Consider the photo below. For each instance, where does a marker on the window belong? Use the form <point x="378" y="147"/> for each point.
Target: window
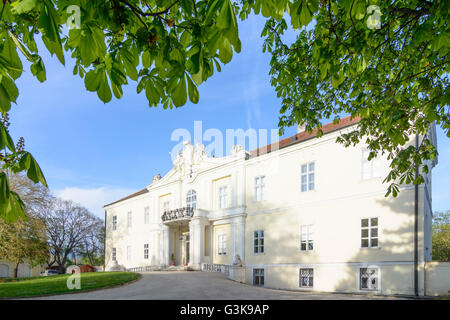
<point x="129" y="220"/>
<point x="128" y="252"/>
<point x="191" y="199"/>
<point x="114" y="222"/>
<point x="369" y="169"/>
<point x="258" y="277"/>
<point x="114" y="254"/>
<point x="222" y="244"/>
<point x="259" y="188"/>
<point x="307" y="238"/>
<point x="368" y="278"/>
<point x="306" y="278"/>
<point x="223" y="203"/>
<point x="258" y="241"/>
<point x="146" y="251"/>
<point x="166" y="206"/>
<point x="307" y="180"/>
<point x="369" y="233"/>
<point x="146" y="215"/>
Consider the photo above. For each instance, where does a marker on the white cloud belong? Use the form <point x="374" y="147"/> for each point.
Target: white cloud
<point x="94" y="198"/>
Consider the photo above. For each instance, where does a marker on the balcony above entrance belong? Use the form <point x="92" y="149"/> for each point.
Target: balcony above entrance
<point x="177" y="215"/>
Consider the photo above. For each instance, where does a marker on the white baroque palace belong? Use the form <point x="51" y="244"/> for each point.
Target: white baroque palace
<point x="309" y="215"/>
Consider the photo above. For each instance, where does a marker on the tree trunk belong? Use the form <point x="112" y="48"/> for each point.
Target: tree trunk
<point x="16" y="270"/>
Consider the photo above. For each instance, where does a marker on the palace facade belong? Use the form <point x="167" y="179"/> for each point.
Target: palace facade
<point x="308" y="214"/>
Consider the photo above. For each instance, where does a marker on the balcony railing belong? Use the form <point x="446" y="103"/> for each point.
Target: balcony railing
<point x="180" y="213"/>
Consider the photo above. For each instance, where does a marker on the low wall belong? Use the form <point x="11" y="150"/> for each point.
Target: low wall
<point x="437" y="278"/>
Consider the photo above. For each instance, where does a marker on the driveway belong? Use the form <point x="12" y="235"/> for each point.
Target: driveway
<point x="192" y="285"/>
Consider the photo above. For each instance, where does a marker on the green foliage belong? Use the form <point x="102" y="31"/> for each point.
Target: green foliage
<point x="441" y="236"/>
<point x="394" y="78"/>
<point x="168" y="47"/>
<point x="23" y="241"/>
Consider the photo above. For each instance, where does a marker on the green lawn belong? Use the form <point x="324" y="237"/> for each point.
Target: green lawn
<point x="27" y="287"/>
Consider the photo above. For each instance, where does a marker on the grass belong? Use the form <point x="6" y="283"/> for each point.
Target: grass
<point x="38" y="286"/>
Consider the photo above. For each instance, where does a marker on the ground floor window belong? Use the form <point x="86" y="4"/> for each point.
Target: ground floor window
<point x="306" y="278"/>
<point x="114" y="254"/>
<point x="258" y="277"/>
<point x="368" y="278"/>
<point x="146" y="251"/>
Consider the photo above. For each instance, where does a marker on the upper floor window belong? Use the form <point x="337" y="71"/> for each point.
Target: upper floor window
<point x="259" y="188"/>
<point x="114" y="254"/>
<point x="369" y="169"/>
<point x="166" y="206"/>
<point x="191" y="199"/>
<point x="146" y="215"/>
<point x="369" y="232"/>
<point x="129" y="220"/>
<point x="222" y="244"/>
<point x="146" y="251"/>
<point x="307" y="238"/>
<point x="223" y="197"/>
<point x="307" y="177"/>
<point x="258" y="241"/>
<point x="114" y="222"/>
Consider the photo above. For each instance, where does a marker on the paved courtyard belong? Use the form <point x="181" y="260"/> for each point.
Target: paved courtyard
<point x="198" y="286"/>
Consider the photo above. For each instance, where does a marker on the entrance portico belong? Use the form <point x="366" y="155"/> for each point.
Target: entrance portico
<point x="184" y="237"/>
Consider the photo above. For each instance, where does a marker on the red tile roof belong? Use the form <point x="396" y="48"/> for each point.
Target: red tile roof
<point x="303" y="136"/>
<point x="128" y="197"/>
<point x="299" y="137"/>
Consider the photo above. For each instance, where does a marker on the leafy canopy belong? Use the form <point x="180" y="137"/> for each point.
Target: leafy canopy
<point x="393" y="77"/>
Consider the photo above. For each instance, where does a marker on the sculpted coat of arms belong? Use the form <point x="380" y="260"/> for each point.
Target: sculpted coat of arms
<point x="188" y="159"/>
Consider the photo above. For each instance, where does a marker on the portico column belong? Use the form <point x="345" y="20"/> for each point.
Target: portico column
<point x="165" y="237"/>
<point x="197" y="237"/>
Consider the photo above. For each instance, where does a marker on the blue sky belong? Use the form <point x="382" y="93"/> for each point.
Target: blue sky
<point x="95" y="153"/>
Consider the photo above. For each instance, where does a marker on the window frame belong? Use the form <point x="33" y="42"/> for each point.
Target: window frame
<point x="369" y="238"/>
<point x="114" y="222"/>
<point x="307" y="175"/>
<point x="222" y="197"/>
<point x="259" y="238"/>
<point x="129" y="219"/>
<point x="146" y="215"/>
<point x="166" y="206"/>
<point x="263" y="276"/>
<point x="372" y="163"/>
<point x="222" y="244"/>
<point x="189" y="195"/>
<point x="309" y="237"/>
<point x="259" y="188"/>
<point x="300" y="277"/>
<point x="367" y="266"/>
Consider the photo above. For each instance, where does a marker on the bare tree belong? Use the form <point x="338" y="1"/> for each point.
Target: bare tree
<point x="91" y="248"/>
<point x="68" y="226"/>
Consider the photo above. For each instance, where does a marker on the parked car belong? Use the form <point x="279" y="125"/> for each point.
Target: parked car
<point x="47" y="273"/>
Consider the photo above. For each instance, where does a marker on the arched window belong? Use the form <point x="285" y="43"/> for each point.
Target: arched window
<point x="191" y="199"/>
